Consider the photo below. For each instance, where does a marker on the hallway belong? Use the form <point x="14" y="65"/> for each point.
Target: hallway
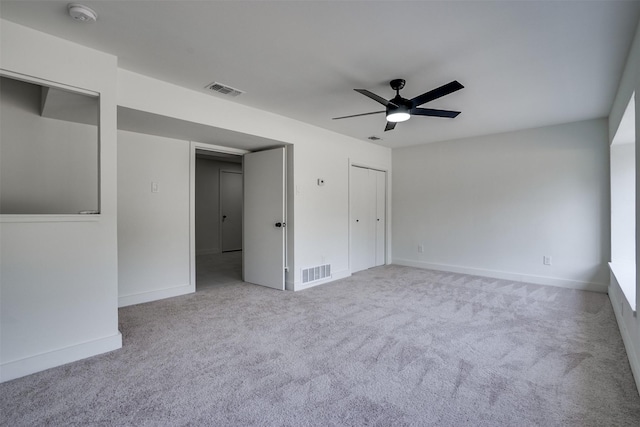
<point x="218" y="269"/>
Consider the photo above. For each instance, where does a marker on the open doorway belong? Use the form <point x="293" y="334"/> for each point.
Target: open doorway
<point x="218" y="219"/>
<point x="263" y="256"/>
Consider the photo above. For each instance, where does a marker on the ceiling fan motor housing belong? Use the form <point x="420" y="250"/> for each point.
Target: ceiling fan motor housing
<point x="399" y="105"/>
<point x="397" y="84"/>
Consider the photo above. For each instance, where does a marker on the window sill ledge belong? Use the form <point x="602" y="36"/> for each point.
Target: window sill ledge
<point x="625" y="275"/>
<point x="49" y="218"/>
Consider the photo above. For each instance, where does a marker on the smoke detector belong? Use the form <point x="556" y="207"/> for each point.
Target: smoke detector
<point x="81" y="13"/>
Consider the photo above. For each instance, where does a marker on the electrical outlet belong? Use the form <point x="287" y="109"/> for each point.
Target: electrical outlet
<point x="420" y="248"/>
<point x="154" y="187"/>
<point x="546" y="260"/>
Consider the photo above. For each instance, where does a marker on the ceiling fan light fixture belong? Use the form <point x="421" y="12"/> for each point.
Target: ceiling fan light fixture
<point x="398" y="115"/>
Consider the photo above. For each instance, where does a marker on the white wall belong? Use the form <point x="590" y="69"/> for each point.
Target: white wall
<point x="58" y="283"/>
<point x="628" y="322"/>
<point x="59" y="278"/>
<point x="322" y="212"/>
<point x="208" y="203"/>
<point x="321" y="230"/>
<point x="623" y="209"/>
<point x="47" y="166"/>
<point x="495" y="205"/>
<point x="153" y="227"/>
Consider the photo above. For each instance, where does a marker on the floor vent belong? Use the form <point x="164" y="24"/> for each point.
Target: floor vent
<point x="224" y="89"/>
<point x="316" y="273"/>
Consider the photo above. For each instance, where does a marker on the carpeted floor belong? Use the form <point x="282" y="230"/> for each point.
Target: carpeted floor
<point x="218" y="269"/>
<point x="388" y="346"/>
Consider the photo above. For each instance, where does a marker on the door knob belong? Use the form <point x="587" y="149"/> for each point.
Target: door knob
<point x="280" y="224"/>
<point x="224" y="217"/>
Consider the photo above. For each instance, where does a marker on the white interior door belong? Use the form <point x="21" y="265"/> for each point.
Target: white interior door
<point x="363" y="227"/>
<point x="381" y="210"/>
<point x="231" y="210"/>
<point x="367" y="195"/>
<point x="264" y="218"/>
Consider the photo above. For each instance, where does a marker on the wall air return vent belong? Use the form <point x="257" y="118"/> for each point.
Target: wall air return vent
<point x="316" y="273"/>
<point x="223" y="89"/>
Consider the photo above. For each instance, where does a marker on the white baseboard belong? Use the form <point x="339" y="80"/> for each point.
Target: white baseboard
<point x="126" y="300"/>
<point x="516" y="277"/>
<point x="334" y="276"/>
<point x="632" y="355"/>
<point x="51" y="359"/>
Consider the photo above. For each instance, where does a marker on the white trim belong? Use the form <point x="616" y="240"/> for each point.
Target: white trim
<point x="625" y="275"/>
<point x="217" y="148"/>
<point x="334" y="276"/>
<point x="40" y="362"/>
<point x="365" y="165"/>
<point x="36" y="80"/>
<point x="516" y="277"/>
<point x="142" y="297"/>
<point x="285" y="210"/>
<point x="634" y="358"/>
<point x="192" y="213"/>
<point x="8" y="218"/>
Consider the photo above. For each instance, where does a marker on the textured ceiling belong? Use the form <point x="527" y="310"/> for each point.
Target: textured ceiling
<point x="524" y="64"/>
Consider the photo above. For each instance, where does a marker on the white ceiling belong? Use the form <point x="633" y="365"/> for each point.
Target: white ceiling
<point x="524" y="64"/>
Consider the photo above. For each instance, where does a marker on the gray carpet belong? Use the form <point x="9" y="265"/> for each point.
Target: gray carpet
<point x="388" y="346"/>
<point x="218" y="269"/>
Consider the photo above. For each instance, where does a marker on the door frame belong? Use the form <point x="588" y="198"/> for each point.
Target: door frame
<point x="387" y="197"/>
<point x="193" y="146"/>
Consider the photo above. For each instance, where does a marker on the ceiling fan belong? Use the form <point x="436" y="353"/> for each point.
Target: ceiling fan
<point x="400" y="109"/>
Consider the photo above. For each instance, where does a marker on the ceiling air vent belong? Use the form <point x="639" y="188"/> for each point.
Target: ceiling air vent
<point x="224" y="89"/>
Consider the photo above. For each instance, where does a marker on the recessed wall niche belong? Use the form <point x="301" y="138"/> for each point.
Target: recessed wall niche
<point x="49" y="149"/>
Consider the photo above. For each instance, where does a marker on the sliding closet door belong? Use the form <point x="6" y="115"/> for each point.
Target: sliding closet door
<point x="368" y="218"/>
<point x="381" y="210"/>
<point x="363" y="229"/>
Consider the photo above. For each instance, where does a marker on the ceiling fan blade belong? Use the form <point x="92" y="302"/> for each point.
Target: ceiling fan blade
<point x="375" y="97"/>
<point x="434" y="113"/>
<point x="358" y="115"/>
<point x="390" y="126"/>
<point x="437" y="93"/>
